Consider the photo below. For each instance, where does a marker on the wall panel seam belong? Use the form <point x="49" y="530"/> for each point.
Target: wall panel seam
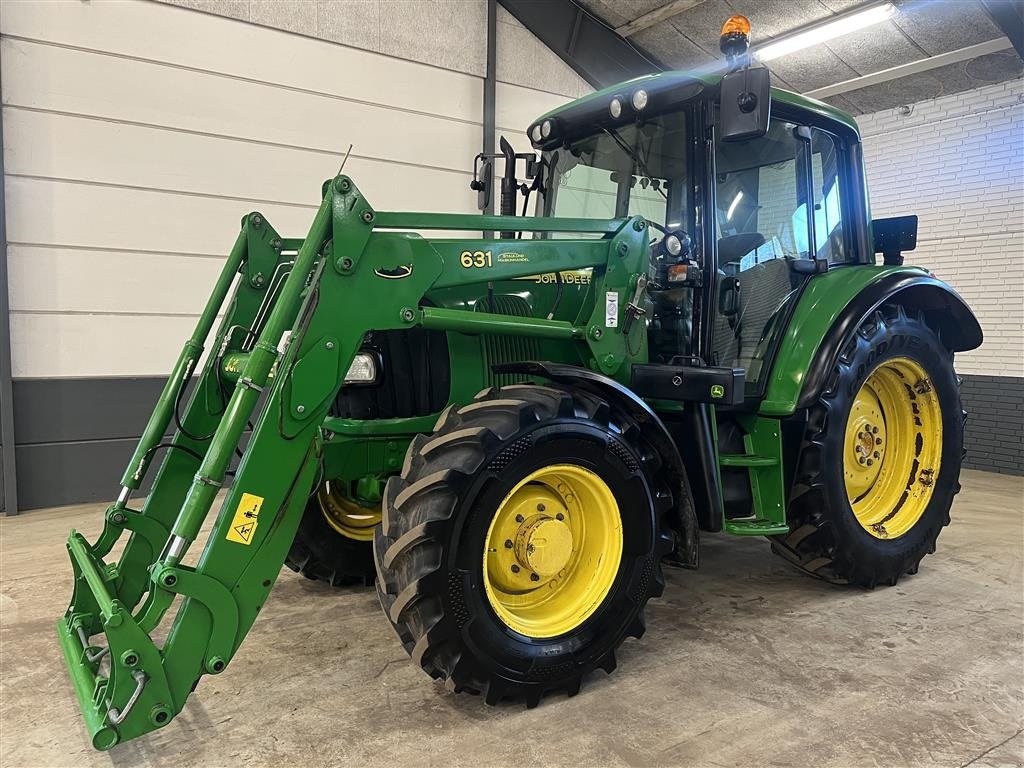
<point x="161" y="190"/>
<point x="103" y="313"/>
<point x="333" y="153"/>
<point x="115" y="249"/>
<point x="245" y="79"/>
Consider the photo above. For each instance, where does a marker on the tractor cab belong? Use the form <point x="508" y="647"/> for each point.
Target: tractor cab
<point x="741" y="210"/>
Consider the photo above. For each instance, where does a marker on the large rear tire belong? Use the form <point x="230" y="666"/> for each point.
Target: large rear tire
<point x="521" y="542"/>
<point x="881" y="459"/>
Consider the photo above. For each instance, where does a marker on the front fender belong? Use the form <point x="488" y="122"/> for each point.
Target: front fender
<point x="835" y="304"/>
<point x="653" y="429"/>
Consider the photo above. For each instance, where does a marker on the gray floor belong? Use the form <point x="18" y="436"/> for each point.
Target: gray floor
<point x="745" y="663"/>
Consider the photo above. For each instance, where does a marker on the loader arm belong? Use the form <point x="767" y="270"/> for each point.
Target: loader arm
<point x="294" y="315"/>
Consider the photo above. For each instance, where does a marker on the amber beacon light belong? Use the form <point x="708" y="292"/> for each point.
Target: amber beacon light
<point x="735" y="38"/>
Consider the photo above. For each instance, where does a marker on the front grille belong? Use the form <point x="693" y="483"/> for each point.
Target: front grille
<point x="506" y="349"/>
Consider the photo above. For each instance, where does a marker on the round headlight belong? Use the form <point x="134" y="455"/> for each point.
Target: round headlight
<point x="673" y="245"/>
<point x="535" y="133"/>
<point x="615" y="108"/>
<point x="639" y="99"/>
<point x="545" y="128"/>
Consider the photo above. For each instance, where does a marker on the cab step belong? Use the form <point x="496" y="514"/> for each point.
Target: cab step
<point x="755" y="527"/>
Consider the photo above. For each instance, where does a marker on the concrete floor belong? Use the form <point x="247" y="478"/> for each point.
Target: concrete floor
<point x="745" y="663"/>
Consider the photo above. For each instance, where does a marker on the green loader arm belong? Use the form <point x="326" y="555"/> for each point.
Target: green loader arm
<point x="291" y="328"/>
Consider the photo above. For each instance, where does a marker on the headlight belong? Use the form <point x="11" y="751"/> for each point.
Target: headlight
<point x="639" y="99"/>
<point x="363" y="369"/>
<point x="615" y="108"/>
<point x="545" y="128"/>
<point x="535" y="133"/>
<point x="673" y="245"/>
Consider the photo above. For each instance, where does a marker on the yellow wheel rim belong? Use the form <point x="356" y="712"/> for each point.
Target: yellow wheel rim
<point x="892" y="448"/>
<point x="347" y="517"/>
<point x="552" y="551"/>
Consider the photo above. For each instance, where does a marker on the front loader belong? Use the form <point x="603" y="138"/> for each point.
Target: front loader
<point x="509" y="435"/>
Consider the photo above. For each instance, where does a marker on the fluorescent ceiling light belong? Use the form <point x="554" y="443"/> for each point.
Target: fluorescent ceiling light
<point x="732" y="207"/>
<point x="825" y="32"/>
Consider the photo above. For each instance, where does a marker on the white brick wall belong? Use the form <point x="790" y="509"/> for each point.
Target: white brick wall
<point x="958" y="163"/>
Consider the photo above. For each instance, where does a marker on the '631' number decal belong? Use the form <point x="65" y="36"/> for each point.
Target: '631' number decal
<point x="470" y="259"/>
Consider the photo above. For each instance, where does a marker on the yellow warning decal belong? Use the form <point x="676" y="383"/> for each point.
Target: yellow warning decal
<point x="247" y="516"/>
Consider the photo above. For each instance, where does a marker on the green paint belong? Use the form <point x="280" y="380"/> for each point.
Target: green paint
<point x="668" y="80"/>
<point x="358" y="270"/>
<point x="762" y="444"/>
<point x="823" y="300"/>
<point x="333" y="292"/>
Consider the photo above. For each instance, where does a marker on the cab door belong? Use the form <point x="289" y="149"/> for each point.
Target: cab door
<point x="777" y="219"/>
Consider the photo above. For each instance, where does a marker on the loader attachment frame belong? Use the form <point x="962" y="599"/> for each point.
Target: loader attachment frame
<point x="294" y="315"/>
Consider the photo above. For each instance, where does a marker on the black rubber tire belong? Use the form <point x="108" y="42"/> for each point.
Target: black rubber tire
<point x="320" y="553"/>
<point x="825" y="538"/>
<point x="435" y="520"/>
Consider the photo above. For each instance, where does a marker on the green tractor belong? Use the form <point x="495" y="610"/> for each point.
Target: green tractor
<point x="511" y="434"/>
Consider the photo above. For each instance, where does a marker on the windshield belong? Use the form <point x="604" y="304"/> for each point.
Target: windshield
<point x="637" y="169"/>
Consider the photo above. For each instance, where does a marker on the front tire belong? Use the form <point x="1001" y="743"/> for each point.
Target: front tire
<point x="497" y="529"/>
<point x="881" y="459"/>
<point x="334" y="541"/>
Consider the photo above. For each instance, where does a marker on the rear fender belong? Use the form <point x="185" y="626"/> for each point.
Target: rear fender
<point x="653" y="429"/>
<point x="832" y="309"/>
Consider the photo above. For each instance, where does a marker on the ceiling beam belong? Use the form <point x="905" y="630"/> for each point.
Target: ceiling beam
<point x="1008" y="15"/>
<point x="912" y="68"/>
<point x="589" y="46"/>
<point x="658" y="15"/>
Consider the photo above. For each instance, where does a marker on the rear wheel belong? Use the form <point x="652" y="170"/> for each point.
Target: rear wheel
<point x="881" y="461"/>
<point x="521" y="542"/>
<point x="334" y="542"/>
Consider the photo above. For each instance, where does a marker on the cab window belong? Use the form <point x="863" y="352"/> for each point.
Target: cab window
<point x="777" y="200"/>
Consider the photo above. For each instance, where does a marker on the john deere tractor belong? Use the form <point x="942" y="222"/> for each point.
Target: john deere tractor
<point x="510" y="434"/>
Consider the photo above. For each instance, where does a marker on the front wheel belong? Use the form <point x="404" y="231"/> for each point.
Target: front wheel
<point x="334" y="540"/>
<point x="881" y="460"/>
<point x="521" y="542"/>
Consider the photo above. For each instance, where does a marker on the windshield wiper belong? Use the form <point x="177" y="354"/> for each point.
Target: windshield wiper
<point x="633" y="155"/>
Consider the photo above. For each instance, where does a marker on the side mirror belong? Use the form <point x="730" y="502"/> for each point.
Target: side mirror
<point x="745" y="104"/>
<point x="729" y="296"/>
<point x="893" y="236"/>
<point x="482" y="182"/>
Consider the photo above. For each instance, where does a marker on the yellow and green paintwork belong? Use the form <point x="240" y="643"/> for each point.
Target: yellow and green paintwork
<point x="356" y="270"/>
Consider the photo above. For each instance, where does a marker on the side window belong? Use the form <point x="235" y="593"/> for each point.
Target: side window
<point x="828" y="223"/>
<point x="761" y="211"/>
<point x="761" y="192"/>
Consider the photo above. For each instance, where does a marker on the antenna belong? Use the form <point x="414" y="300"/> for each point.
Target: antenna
<point x="344" y="160"/>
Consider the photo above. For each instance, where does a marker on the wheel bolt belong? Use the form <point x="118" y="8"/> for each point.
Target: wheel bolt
<point x="559" y="516"/>
<point x="534" y="577"/>
<point x="541" y="507"/>
<point x="870" y="462"/>
<point x="861" y="435"/>
<point x="876" y="454"/>
<point x="874" y="430"/>
<point x="878" y="441"/>
<point x="508" y="543"/>
<point x="861" y="459"/>
<point x="520" y="518"/>
<point x="515" y="568"/>
<point x="859" y="449"/>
